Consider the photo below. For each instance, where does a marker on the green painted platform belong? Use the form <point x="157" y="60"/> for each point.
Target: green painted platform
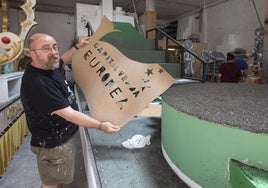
<point x="205" y="125"/>
<point x="246" y="176"/>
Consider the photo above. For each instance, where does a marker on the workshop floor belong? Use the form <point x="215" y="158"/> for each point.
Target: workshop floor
<point x="140" y="168"/>
<point x="117" y="166"/>
<point x="22" y="170"/>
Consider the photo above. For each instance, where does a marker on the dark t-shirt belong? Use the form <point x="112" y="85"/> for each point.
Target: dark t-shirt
<point x="230" y="73"/>
<point x="42" y="92"/>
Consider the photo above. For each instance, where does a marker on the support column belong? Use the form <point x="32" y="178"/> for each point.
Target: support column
<point x="151" y="16"/>
<point x="107" y="9"/>
<point x="265" y="48"/>
<point x="203" y="23"/>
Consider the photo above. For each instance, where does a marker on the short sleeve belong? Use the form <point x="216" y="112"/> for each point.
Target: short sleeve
<point x="50" y="97"/>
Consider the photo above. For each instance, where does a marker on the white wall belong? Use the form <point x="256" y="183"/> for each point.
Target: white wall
<point x="87" y="13"/>
<point x="187" y="26"/>
<point x="60" y="26"/>
<point x="65" y="28"/>
<point x="94" y="14"/>
<point x="236" y="17"/>
<point x="229" y="24"/>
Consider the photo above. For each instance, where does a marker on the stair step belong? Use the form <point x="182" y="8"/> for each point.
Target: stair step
<point x="126" y="30"/>
<point x="129" y="43"/>
<point x="134" y="46"/>
<point x="145" y="56"/>
<point x="174" y="69"/>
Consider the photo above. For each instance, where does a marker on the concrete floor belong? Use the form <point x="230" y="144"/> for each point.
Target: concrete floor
<point x="117" y="166"/>
<point x="22" y="170"/>
<point x="146" y="167"/>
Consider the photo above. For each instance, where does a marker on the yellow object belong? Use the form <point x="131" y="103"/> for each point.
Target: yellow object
<point x="4" y="12"/>
<point x="11" y="140"/>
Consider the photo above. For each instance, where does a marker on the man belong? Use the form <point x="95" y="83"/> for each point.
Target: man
<point x="51" y="111"/>
<point x="241" y="63"/>
<point x="229" y="72"/>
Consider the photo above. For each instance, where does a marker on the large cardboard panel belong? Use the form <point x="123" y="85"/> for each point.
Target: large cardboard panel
<point x="116" y="88"/>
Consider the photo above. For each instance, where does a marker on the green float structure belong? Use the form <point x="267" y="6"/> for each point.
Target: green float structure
<point x="215" y="135"/>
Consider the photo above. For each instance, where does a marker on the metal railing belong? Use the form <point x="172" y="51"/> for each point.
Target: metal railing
<point x="161" y="34"/>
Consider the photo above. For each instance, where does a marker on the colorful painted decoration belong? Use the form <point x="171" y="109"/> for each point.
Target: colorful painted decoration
<point x="11" y="44"/>
<point x="5" y="40"/>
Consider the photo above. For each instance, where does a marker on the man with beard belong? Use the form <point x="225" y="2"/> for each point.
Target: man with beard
<point x="51" y="110"/>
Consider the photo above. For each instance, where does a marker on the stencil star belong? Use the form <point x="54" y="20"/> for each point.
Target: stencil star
<point x="149" y="71"/>
<point x="160" y="71"/>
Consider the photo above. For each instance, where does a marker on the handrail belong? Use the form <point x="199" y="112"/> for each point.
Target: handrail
<point x="168" y="37"/>
<point x="92" y="173"/>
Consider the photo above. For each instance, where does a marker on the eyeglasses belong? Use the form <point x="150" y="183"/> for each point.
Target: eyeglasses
<point x="47" y="49"/>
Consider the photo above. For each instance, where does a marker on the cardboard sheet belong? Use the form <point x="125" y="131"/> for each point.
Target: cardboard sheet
<point x="116" y="88"/>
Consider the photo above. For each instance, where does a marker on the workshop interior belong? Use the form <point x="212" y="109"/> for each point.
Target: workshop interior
<point x="199" y="131"/>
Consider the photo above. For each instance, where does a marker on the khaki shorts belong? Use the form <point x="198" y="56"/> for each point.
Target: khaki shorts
<point x="56" y="165"/>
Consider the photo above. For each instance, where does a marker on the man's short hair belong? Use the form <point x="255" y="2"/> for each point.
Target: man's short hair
<point x="230" y="56"/>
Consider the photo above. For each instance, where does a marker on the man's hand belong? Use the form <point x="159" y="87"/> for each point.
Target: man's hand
<point x="67" y="56"/>
<point x="109" y="127"/>
<point x="83" y="41"/>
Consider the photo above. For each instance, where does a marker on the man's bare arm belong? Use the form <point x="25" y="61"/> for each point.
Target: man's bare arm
<point x="83" y="120"/>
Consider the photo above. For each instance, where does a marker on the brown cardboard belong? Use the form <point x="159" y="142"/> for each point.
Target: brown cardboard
<point x="116" y="88"/>
<point x="150" y="23"/>
<point x="153" y="110"/>
<point x="253" y="80"/>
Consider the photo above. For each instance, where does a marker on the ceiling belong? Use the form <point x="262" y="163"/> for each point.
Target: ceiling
<point x="166" y="9"/>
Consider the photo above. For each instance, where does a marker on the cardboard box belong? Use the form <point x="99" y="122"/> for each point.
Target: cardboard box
<point x="253" y="80"/>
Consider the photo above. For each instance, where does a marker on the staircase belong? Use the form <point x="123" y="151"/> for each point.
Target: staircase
<point x="133" y="45"/>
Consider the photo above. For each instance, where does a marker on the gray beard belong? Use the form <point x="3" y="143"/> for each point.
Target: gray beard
<point x="53" y="64"/>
